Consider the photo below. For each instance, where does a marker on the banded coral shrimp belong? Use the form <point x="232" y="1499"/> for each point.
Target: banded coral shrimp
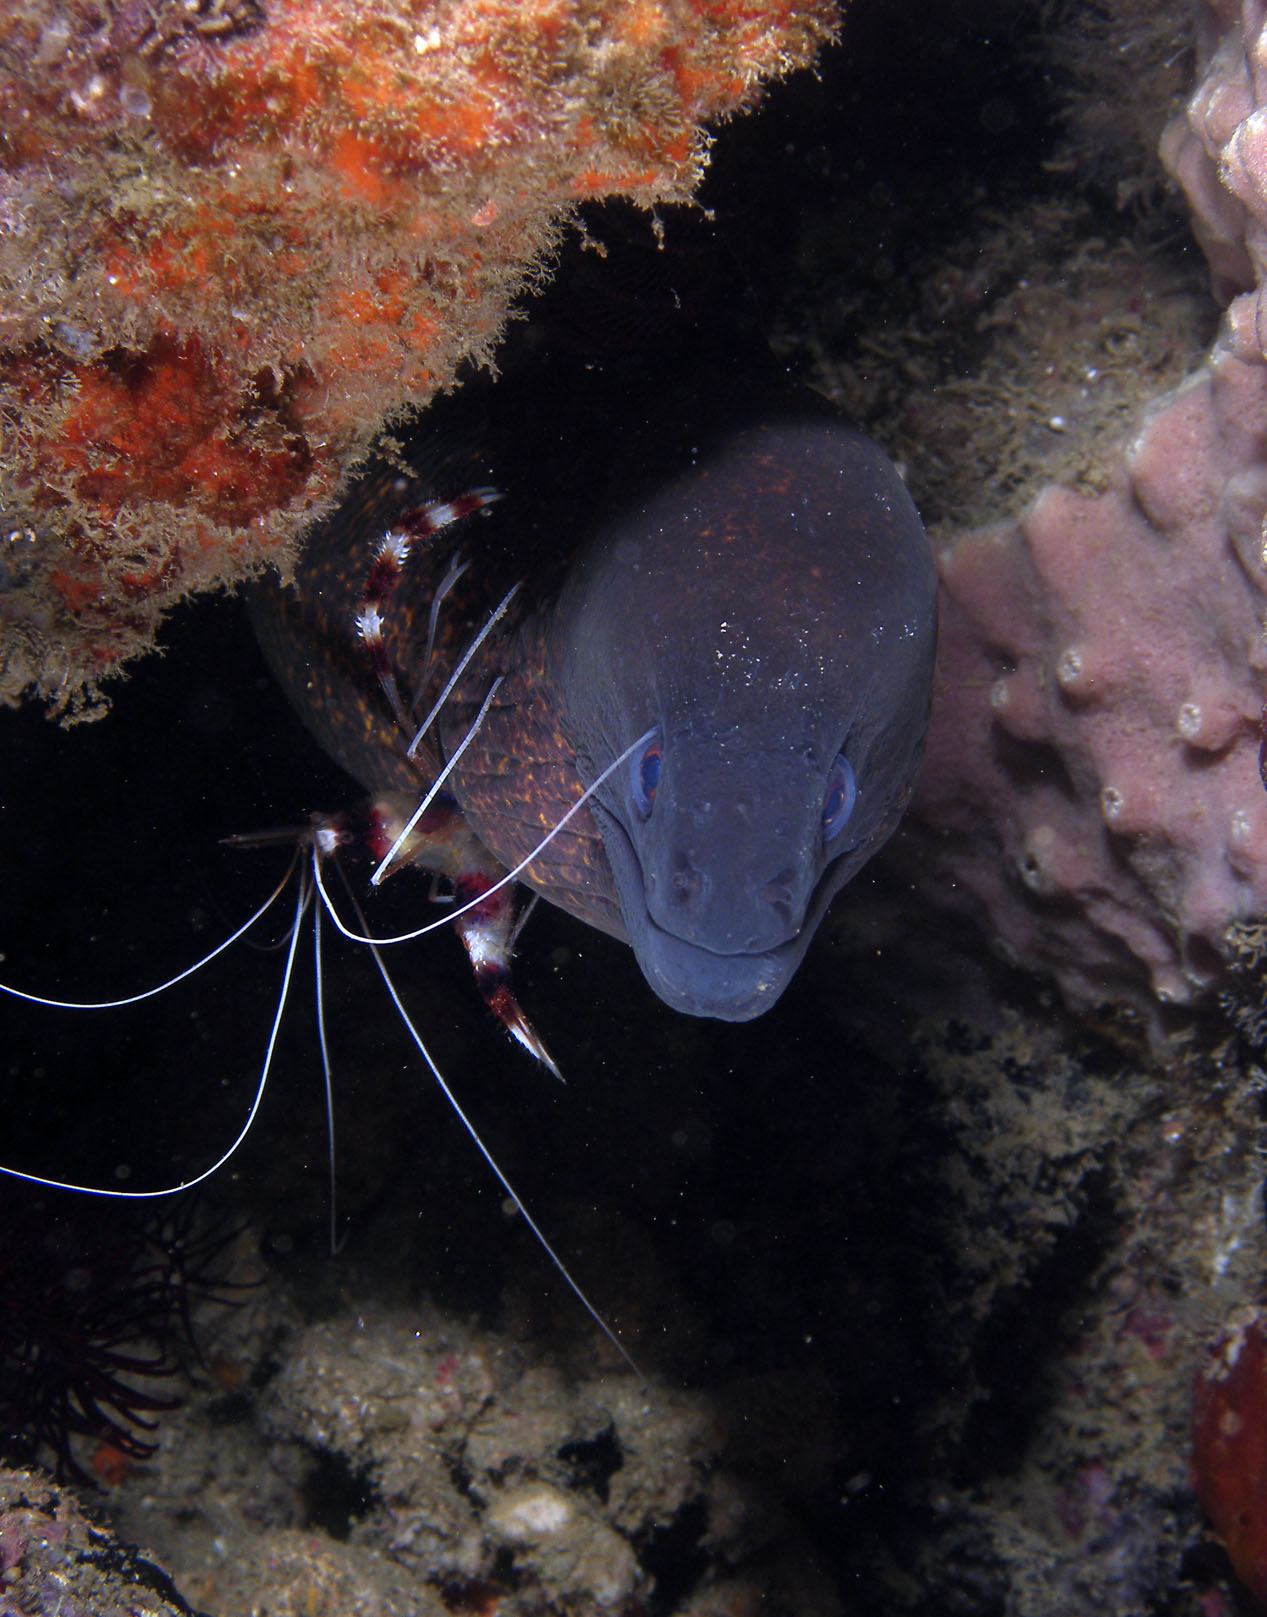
<point x="49" y="1103"/>
<point x="92" y="1101"/>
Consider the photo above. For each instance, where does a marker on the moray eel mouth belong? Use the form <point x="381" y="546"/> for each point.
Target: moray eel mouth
<point x="699" y="977"/>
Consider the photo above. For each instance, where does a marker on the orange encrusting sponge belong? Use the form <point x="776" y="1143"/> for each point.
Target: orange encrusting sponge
<point x="236" y="236"/>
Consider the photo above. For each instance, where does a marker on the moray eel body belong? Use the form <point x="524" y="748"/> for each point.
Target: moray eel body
<point x="761" y="622"/>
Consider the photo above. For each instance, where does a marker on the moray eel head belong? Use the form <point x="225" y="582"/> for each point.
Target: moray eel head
<point x="763" y="626"/>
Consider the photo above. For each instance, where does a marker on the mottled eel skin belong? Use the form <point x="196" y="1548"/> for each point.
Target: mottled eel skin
<point x="765" y="616"/>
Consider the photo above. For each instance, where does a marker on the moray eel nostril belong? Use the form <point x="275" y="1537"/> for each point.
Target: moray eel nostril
<point x="687" y="884"/>
<point x="779" y="895"/>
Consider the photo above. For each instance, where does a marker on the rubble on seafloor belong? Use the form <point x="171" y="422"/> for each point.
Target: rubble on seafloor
<point x="236" y="237"/>
<point x="919" y="1309"/>
<point x="929" y="1349"/>
<point x="402" y="1461"/>
<point x="53" y="1557"/>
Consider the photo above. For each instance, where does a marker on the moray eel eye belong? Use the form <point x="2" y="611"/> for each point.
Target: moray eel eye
<point x="644" y="776"/>
<point x="839" y="798"/>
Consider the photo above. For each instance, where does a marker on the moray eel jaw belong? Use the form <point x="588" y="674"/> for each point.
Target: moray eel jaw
<point x="766" y="623"/>
<point x="721" y="902"/>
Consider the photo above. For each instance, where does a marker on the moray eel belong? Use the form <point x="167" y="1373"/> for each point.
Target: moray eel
<point x="761" y="621"/>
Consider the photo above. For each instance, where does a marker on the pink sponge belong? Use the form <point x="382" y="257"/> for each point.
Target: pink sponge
<point x="1091" y="786"/>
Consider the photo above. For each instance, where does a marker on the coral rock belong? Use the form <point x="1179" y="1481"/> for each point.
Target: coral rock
<point x="237" y="234"/>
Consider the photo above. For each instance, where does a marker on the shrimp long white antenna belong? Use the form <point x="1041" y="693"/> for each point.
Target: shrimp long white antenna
<point x="437" y="601"/>
<point x="336" y="1240"/>
<point x="302" y="901"/>
<point x="490" y="623"/>
<point x="149" y="993"/>
<point x="503" y="881"/>
<point x="432" y="791"/>
<point x="561" y="1268"/>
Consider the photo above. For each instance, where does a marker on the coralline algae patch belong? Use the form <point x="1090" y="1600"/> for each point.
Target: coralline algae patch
<point x="238" y="234"/>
